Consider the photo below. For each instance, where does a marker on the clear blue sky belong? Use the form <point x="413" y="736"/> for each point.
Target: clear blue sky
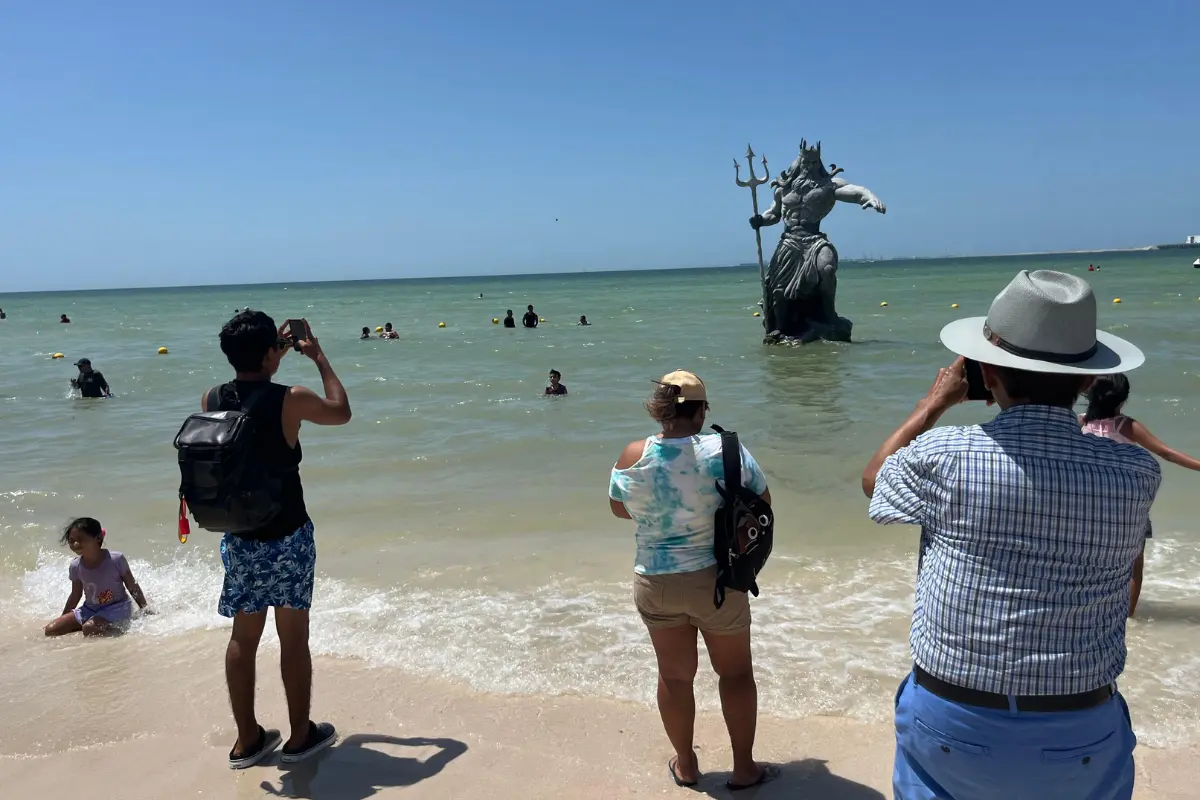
<point x="151" y="142"/>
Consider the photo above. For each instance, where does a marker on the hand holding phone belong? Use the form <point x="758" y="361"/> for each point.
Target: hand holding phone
<point x="302" y="339"/>
<point x="976" y="388"/>
<point x="297" y="331"/>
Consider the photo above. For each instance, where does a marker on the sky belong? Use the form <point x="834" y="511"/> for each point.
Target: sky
<point x="148" y="143"/>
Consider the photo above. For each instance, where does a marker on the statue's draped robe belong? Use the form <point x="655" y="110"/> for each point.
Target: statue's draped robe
<point x="793" y="272"/>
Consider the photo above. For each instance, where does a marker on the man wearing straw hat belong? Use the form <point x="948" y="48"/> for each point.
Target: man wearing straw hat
<point x="1029" y="533"/>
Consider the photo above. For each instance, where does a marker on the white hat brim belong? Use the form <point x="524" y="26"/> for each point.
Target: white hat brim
<point x="1113" y="354"/>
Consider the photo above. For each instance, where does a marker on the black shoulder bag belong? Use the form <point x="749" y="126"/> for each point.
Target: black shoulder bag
<point x="744" y="525"/>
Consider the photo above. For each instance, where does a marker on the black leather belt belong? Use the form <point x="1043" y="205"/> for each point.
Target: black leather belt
<point x="1049" y="702"/>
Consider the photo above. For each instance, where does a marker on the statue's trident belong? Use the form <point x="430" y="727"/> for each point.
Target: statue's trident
<point x="754" y="183"/>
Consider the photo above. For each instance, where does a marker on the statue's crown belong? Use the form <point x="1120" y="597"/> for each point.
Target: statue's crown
<point x="809" y="154"/>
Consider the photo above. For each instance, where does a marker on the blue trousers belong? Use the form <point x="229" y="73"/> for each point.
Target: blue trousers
<point x="947" y="751"/>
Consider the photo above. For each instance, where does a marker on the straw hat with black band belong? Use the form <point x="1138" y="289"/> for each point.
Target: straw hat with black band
<point x="1043" y="321"/>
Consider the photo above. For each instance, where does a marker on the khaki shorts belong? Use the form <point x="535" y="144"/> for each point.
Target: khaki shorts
<point x="686" y="598"/>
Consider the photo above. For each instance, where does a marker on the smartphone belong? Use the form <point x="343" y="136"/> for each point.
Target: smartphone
<point x="976" y="388"/>
<point x="297" y="329"/>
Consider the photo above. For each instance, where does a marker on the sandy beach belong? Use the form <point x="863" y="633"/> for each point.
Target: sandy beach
<point x="166" y="734"/>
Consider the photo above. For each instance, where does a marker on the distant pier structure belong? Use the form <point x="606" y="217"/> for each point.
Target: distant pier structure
<point x="1191" y="241"/>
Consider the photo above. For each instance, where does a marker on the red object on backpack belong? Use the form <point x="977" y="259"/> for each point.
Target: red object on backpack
<point x="185" y="526"/>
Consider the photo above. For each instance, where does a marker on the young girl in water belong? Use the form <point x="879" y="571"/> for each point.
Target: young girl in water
<point x="1103" y="418"/>
<point x="99" y="576"/>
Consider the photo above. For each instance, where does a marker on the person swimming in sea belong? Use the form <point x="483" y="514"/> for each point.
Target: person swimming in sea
<point x="90" y="382"/>
<point x="510" y="321"/>
<point x="583" y="320"/>
<point x="388" y="333"/>
<point x="556" y="385"/>
<point x="366" y="334"/>
<point x="64" y="319"/>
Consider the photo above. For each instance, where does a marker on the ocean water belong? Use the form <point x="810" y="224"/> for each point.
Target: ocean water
<point x="462" y="523"/>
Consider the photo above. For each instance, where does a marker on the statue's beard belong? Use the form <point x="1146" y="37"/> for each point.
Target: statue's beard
<point x="805" y="182"/>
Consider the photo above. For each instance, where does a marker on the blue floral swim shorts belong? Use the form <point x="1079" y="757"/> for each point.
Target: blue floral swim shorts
<point x="264" y="574"/>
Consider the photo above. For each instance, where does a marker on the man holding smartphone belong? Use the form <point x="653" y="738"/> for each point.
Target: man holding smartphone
<point x="1029" y="533"/>
<point x="273" y="566"/>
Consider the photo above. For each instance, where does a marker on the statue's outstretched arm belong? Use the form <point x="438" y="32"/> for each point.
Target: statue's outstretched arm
<point x="771" y="215"/>
<point x="859" y="195"/>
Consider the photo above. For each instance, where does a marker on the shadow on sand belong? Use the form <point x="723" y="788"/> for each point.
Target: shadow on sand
<point x="354" y="770"/>
<point x="809" y="777"/>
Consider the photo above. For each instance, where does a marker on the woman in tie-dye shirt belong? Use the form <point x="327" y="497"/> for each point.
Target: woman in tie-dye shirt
<point x="667" y="485"/>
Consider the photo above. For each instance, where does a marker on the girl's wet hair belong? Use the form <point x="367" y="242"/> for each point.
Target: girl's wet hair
<point x="1106" y="397"/>
<point x="664" y="405"/>
<point x="88" y="525"/>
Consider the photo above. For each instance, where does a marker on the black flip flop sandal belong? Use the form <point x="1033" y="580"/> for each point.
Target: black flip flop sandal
<point x="672" y="765"/>
<point x="766" y="774"/>
<point x="266" y="744"/>
<point x="320" y="736"/>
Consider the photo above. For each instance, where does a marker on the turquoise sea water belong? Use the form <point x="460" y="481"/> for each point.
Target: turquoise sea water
<point x="461" y="517"/>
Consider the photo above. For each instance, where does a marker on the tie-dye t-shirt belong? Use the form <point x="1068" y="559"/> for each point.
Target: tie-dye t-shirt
<point x="672" y="496"/>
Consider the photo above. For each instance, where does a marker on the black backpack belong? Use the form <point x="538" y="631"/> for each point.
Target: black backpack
<point x="745" y="527"/>
<point x="221" y="479"/>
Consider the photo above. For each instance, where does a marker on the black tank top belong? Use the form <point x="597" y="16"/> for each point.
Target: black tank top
<point x="274" y="451"/>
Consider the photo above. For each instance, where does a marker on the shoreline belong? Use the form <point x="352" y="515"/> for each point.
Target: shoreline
<point x="402" y="736"/>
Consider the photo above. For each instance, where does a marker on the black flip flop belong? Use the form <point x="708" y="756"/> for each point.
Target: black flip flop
<point x="320" y="736"/>
<point x="671" y="765"/>
<point x="266" y="744"/>
<point x="766" y="774"/>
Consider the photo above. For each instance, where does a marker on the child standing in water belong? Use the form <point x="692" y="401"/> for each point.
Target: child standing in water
<point x="100" y="577"/>
<point x="1103" y="418"/>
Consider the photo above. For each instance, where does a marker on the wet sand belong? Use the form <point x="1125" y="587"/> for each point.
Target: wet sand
<point x="407" y="737"/>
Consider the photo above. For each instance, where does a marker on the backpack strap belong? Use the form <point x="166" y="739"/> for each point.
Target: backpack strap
<point x="731" y="458"/>
<point x="253" y="397"/>
<point x="731" y="455"/>
<point x="214" y="398"/>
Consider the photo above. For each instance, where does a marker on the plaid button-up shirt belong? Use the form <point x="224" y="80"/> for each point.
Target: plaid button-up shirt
<point x="1029" y="532"/>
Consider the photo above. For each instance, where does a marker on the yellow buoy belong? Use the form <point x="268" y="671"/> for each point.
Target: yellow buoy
<point x="883" y="304"/>
<point x="495" y="321"/>
<point x="162" y="351"/>
<point x="57" y="355"/>
<point x="541" y="319"/>
<point x="954" y="305"/>
<point x="441" y="324"/>
<point x="379" y="329"/>
<point x="757" y="314"/>
<point x="1116" y="299"/>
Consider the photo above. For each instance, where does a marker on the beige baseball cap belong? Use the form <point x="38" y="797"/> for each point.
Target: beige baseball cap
<point x="691" y="388"/>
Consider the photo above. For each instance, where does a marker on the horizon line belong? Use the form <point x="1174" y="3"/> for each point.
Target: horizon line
<point x="861" y="260"/>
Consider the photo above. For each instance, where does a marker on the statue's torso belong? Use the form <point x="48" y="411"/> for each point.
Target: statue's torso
<point x="804" y="206"/>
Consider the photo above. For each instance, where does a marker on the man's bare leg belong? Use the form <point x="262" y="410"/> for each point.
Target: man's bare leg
<point x="295" y="665"/>
<point x="240" y="656"/>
